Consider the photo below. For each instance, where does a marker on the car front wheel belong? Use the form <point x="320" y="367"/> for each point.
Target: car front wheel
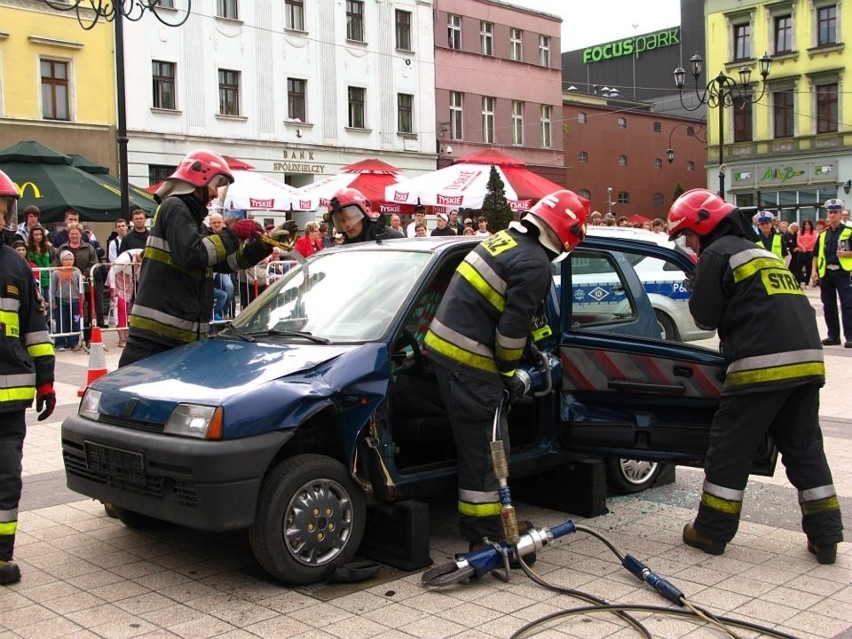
<point x="310" y="516"/>
<point x="668" y="330"/>
<point x="626" y="476"/>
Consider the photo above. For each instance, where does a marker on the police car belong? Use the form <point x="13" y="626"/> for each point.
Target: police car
<point x="318" y="406"/>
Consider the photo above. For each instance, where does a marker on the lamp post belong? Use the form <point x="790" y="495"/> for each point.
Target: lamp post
<point x="720" y="92"/>
<point x="670" y="152"/>
<point x="89" y="13"/>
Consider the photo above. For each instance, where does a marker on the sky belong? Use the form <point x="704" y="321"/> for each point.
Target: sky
<point x="587" y="22"/>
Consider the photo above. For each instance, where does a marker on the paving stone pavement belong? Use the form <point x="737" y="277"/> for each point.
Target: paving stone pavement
<point x="87" y="576"/>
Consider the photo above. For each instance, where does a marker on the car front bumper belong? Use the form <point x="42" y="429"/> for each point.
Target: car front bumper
<point x="207" y="485"/>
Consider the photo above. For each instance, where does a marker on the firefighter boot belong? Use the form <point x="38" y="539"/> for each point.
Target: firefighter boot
<point x="824" y="554"/>
<point x="9" y="572"/>
<point x="692" y="537"/>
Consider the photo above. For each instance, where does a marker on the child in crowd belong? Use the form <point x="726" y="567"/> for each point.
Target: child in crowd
<point x="65" y="290"/>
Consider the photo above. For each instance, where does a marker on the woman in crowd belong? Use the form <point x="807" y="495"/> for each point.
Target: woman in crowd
<point x="311" y="241"/>
<point x="793" y="259"/>
<point x="41" y="253"/>
<point x="805" y="241"/>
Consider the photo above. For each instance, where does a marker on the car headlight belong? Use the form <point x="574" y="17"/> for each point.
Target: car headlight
<point x="90" y="405"/>
<point x="194" y="420"/>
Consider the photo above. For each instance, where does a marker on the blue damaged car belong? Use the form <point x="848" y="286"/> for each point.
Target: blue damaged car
<point x="318" y="404"/>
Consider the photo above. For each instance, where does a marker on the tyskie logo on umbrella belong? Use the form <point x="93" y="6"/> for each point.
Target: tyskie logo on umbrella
<point x="261" y="204"/>
<point x="449" y="200"/>
<point x="399" y="196"/>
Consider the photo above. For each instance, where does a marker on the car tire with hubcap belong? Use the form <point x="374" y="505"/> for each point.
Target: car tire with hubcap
<point x="310" y="516"/>
<point x="626" y="476"/>
<point x="668" y="330"/>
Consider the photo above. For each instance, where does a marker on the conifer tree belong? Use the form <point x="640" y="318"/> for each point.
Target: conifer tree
<point x="495" y="207"/>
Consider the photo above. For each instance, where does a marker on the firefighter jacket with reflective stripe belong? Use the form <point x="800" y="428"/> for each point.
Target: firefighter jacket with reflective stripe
<point x="174" y="299"/>
<point x="819" y="251"/>
<point x="776" y="246"/>
<point x="767" y="328"/>
<point x="27" y="354"/>
<point x="484" y="319"/>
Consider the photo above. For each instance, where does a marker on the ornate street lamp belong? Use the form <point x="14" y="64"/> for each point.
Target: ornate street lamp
<point x="720" y="92"/>
<point x="670" y="152"/>
<point x="89" y="13"/>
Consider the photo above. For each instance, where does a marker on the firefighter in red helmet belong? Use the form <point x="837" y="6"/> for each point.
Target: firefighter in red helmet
<point x="771" y="384"/>
<point x="352" y="215"/>
<point x="480" y="333"/>
<point x="26" y="371"/>
<point x="174" y="298"/>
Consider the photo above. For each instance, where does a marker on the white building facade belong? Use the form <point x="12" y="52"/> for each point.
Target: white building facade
<point x="296" y="88"/>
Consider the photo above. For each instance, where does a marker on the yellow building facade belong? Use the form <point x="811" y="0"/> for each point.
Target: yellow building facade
<point x="792" y="149"/>
<point x="57" y="81"/>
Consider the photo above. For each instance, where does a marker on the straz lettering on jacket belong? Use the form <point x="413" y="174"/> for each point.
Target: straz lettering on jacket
<point x="499" y="243"/>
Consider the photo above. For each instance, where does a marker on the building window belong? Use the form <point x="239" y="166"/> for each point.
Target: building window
<point x="658" y="163"/>
<point x="488" y="119"/>
<point x="355" y="20"/>
<point x="516" y="44"/>
<point x="294" y="14"/>
<point x="581" y="118"/>
<point x="585" y="193"/>
<point x="623" y="197"/>
<point x="54" y="90"/>
<point x="621" y="123"/>
<point x="486" y="38"/>
<point x="546" y="137"/>
<point x="405" y="113"/>
<point x="826" y="108"/>
<point x="456" y="100"/>
<point x="783" y="36"/>
<point x="517" y="122"/>
<point x="659" y="199"/>
<point x="782" y="113"/>
<point x="622" y="160"/>
<point x="163" y="74"/>
<point x="356" y="107"/>
<point x="454" y="30"/>
<point x="583" y="157"/>
<point x="296" y="99"/>
<point x="403" y="30"/>
<point x="544" y="51"/>
<point x="743" y="120"/>
<point x="742" y="41"/>
<point x="227" y="9"/>
<point x="690" y="166"/>
<point x="658" y="127"/>
<point x="827" y="25"/>
<point x="229" y="92"/>
<point x="159" y="172"/>
<point x="166" y="4"/>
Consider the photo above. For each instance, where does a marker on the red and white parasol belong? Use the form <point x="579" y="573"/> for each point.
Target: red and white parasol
<point x="371" y="177"/>
<point x="464" y="184"/>
<point x="253" y="191"/>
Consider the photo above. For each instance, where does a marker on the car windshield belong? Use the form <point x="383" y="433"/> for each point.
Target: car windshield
<point x="337" y="296"/>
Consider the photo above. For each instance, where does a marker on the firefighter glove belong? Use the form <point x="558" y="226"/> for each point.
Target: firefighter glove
<point x="515" y="387"/>
<point x="45" y="401"/>
<point x="256" y="250"/>
<point x="247" y="229"/>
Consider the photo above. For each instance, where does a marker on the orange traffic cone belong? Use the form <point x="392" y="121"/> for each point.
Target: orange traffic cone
<point x="97" y="360"/>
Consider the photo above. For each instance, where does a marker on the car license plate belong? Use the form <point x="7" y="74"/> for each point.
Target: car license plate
<point x="115" y="462"/>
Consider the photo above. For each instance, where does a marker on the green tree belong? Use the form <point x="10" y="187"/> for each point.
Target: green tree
<point x="495" y="207"/>
<point x="679" y="190"/>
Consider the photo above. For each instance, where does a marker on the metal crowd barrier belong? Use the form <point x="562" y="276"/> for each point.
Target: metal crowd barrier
<point x="65" y="303"/>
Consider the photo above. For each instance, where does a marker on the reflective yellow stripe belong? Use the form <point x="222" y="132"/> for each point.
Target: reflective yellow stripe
<point x="479" y="510"/>
<point x="158" y="255"/>
<point x="775" y="374"/>
<point x="17" y="394"/>
<point x="11" y="326"/>
<point x="750" y="268"/>
<point x="508" y="354"/>
<point x="442" y="346"/>
<point x="722" y="505"/>
<point x="153" y="326"/>
<point x="40" y="350"/>
<point x="481" y="285"/>
<point x="10" y="528"/>
<point x="823" y="505"/>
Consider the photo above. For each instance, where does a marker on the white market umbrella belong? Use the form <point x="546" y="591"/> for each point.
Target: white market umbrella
<point x="464" y="184"/>
<point x="252" y="191"/>
<point x="368" y="176"/>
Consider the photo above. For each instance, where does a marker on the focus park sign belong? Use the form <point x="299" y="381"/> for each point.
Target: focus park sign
<point x="632" y="46"/>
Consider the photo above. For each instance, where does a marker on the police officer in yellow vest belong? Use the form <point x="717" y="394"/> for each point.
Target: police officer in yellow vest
<point x="769" y="238"/>
<point x="832" y="270"/>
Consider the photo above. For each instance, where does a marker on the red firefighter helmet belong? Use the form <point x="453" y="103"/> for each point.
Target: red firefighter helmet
<point x="8" y="202"/>
<point x="697" y="210"/>
<point x="349" y="204"/>
<point x="197" y="169"/>
<point x="560" y="218"/>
